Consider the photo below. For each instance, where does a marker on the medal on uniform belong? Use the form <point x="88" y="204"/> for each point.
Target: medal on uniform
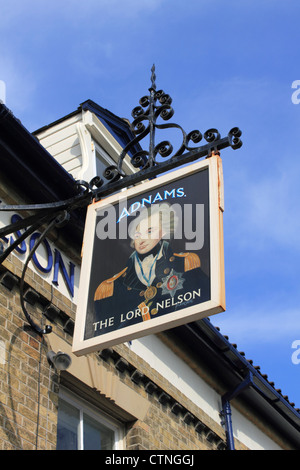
<point x="172" y="283"/>
<point x="150" y="292"/>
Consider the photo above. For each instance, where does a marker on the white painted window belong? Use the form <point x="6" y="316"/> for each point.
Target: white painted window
<point x="81" y="426"/>
<point x="103" y="160"/>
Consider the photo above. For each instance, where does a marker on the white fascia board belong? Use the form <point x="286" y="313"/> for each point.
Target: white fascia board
<point x="104" y="138"/>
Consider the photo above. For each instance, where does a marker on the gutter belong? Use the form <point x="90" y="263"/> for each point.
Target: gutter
<point x="244" y="378"/>
<point x="277" y="397"/>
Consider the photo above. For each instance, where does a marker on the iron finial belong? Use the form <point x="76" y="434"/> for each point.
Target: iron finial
<point x="153" y="77"/>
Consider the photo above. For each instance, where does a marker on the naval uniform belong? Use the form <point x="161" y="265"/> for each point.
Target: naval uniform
<point x="138" y="292"/>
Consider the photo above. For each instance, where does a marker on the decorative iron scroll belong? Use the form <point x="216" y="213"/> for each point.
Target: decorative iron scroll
<point x="152" y="107"/>
<point x="155" y="106"/>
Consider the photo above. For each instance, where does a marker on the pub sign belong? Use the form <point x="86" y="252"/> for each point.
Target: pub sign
<point x="152" y="258"/>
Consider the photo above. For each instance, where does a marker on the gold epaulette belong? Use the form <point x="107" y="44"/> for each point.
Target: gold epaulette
<point x="106" y="288"/>
<point x="191" y="260"/>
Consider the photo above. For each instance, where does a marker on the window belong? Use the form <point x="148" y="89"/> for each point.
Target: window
<point x="103" y="160"/>
<point x="81" y="426"/>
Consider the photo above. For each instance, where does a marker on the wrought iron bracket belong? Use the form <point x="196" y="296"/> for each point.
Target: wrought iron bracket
<point x="158" y="159"/>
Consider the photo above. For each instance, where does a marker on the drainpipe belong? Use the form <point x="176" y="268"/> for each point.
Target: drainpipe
<point x="226" y="409"/>
<point x="227" y="422"/>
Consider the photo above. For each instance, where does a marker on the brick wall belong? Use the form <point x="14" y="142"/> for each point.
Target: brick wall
<point x="172" y="422"/>
<point x="27" y="412"/>
<point x="29" y="387"/>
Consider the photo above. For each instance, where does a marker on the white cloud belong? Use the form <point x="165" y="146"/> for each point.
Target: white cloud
<point x="20" y="84"/>
<point x="259" y="323"/>
<point x="76" y="10"/>
<point x="264" y="209"/>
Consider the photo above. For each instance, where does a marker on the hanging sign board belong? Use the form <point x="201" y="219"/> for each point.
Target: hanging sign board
<point x="152" y="258"/>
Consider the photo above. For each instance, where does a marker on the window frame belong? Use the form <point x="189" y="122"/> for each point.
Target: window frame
<point x="84" y="407"/>
<point x="104" y="155"/>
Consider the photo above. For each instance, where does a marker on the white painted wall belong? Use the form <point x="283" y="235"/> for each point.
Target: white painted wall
<point x="153" y="351"/>
<point x="72" y="143"/>
<point x="62" y="142"/>
<point x="42" y="258"/>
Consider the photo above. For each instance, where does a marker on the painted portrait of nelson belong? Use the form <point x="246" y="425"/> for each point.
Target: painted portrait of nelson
<point x="155" y="280"/>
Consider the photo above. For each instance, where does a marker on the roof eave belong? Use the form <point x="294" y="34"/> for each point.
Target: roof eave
<point x="31" y="170"/>
<point x="234" y="367"/>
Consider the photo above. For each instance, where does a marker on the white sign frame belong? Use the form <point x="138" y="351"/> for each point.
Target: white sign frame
<point x="216" y="304"/>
